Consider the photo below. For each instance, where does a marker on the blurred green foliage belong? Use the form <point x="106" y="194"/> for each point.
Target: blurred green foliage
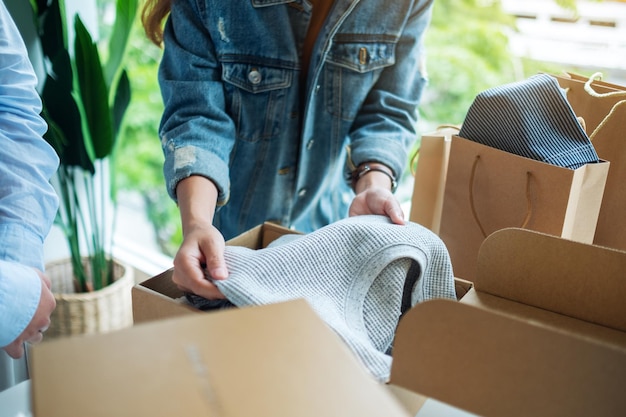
<point x="139" y="158"/>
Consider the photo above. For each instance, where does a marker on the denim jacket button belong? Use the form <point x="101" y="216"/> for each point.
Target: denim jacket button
<point x="302" y="192"/>
<point x="309" y="144"/>
<point x="254" y="76"/>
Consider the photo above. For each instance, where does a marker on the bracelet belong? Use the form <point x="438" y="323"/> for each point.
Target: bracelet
<point x="368" y="167"/>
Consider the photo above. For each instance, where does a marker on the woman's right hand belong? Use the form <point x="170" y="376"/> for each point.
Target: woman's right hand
<point x="200" y="258"/>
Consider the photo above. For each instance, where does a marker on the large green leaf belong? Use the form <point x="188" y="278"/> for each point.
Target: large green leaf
<point x="53" y="34"/>
<point x="94" y="93"/>
<point x="125" y="13"/>
<point x="121" y="101"/>
<point x="63" y="115"/>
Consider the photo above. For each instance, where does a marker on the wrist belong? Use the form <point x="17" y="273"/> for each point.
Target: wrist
<point x="370" y="174"/>
<point x="197" y="198"/>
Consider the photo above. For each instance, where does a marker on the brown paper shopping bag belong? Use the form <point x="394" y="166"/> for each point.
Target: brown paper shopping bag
<point x="488" y="189"/>
<point x="430" y="177"/>
<point x="602" y="106"/>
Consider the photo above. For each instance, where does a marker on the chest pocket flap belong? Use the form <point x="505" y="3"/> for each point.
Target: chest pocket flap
<point x="363" y="56"/>
<point x="256" y="78"/>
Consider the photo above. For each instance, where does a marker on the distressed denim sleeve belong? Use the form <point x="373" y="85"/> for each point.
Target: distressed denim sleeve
<point x="196" y="133"/>
<point x="386" y="125"/>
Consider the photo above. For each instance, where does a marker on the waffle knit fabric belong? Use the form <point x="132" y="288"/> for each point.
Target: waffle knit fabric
<point x="359" y="274"/>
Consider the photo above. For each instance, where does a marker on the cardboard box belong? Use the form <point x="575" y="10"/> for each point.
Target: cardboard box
<point x="278" y="360"/>
<point x="541" y="333"/>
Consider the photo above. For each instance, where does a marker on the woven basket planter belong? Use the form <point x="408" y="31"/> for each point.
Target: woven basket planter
<point x="99" y="311"/>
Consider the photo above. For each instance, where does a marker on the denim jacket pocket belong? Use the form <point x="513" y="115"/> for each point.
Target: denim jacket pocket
<point x="256" y="96"/>
<point x="352" y="70"/>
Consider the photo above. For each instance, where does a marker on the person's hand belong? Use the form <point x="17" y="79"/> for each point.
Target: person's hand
<point x="374" y="196"/>
<point x="377" y="200"/>
<point x="201" y="256"/>
<point x="33" y="333"/>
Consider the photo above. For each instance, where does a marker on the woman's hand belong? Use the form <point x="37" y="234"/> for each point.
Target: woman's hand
<point x="374" y="196"/>
<point x="200" y="258"/>
<point x="377" y="200"/>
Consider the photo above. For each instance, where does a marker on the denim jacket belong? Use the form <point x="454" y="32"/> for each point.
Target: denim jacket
<point x="239" y="112"/>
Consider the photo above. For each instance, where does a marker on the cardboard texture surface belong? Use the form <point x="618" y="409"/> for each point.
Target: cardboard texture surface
<point x="492" y="365"/>
<point x="541" y="332"/>
<point x="579" y="280"/>
<point x="276" y="360"/>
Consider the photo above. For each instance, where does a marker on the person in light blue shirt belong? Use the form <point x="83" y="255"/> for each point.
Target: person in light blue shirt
<point x="297" y="112"/>
<point x="28" y="202"/>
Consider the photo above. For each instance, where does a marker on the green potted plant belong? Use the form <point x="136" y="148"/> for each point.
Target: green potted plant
<point x="84" y="100"/>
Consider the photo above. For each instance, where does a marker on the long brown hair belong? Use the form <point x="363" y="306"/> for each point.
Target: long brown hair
<point x="153" y="14"/>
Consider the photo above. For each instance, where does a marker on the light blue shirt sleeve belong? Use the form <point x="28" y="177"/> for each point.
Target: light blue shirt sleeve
<point x="20" y="290"/>
<point x="28" y="202"/>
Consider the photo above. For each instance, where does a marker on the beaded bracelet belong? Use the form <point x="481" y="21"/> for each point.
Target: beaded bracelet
<point x="363" y="169"/>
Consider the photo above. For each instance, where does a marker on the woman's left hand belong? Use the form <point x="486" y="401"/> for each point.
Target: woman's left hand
<point x="377" y="200"/>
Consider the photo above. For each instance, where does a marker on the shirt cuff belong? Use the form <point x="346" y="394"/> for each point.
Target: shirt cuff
<point x="20" y="291"/>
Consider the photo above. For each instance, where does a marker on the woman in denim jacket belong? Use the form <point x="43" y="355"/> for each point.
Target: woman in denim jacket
<point x="271" y="104"/>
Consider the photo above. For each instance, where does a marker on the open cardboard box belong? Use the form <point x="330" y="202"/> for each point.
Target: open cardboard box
<point x="278" y="360"/>
<point x="541" y="333"/>
<point x="275" y="360"/>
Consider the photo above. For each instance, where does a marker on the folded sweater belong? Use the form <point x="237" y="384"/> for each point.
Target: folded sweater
<point x="359" y="274"/>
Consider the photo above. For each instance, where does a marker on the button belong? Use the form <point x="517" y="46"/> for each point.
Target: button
<point x="284" y="171"/>
<point x="309" y="144"/>
<point x="254" y="76"/>
<point x="302" y="192"/>
<point x="317" y="89"/>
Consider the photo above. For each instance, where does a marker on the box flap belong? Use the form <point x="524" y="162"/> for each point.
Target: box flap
<point x="260" y="236"/>
<point x="582" y="281"/>
<point x="275" y="360"/>
<point x="157" y="298"/>
<point x="494" y="365"/>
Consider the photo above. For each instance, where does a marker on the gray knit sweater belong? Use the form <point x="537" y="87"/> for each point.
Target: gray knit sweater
<point x="358" y="274"/>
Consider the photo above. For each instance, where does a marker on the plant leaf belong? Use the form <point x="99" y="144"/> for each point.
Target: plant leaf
<point x="121" y="101"/>
<point x="125" y="13"/>
<point x="93" y="92"/>
<point x="53" y="35"/>
<point x="62" y="114"/>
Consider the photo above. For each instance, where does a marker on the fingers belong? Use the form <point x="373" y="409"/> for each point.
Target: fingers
<point x="33" y="333"/>
<point x="15" y="349"/>
<point x="379" y="201"/>
<point x="199" y="261"/>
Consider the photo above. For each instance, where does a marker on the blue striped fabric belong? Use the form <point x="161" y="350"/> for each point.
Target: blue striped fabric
<point x="531" y="118"/>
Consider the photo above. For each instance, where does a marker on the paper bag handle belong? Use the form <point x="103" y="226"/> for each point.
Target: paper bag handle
<point x="471" y="198"/>
<point x="589" y="89"/>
